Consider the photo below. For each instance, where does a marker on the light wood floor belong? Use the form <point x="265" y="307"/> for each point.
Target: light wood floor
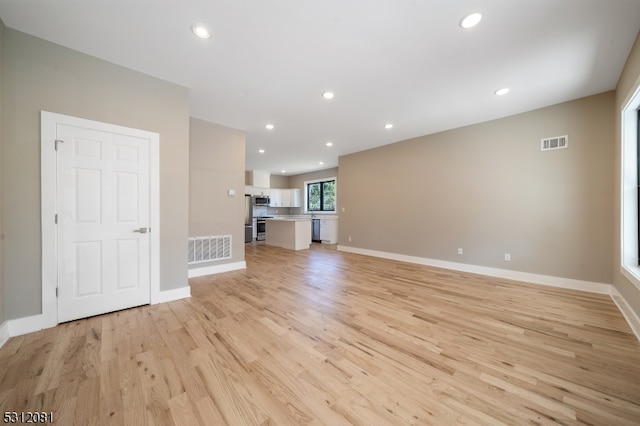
<point x="325" y="337"/>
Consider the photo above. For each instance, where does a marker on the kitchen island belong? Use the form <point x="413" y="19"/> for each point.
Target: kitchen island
<point x="289" y="233"/>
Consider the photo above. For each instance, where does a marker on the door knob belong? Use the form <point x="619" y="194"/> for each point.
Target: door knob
<point x="142" y="230"/>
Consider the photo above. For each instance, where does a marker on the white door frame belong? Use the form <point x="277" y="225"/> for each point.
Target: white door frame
<point x="48" y="123"/>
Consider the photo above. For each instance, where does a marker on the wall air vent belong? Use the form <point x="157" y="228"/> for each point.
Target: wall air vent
<point x="209" y="249"/>
<point x="555" y="142"/>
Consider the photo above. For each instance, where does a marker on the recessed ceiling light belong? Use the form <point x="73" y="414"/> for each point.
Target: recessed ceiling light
<point x="321" y="162"/>
<point x="269" y="126"/>
<point x="283" y="171"/>
<point x="201" y="31"/>
<point x="328" y="95"/>
<point x="329" y="144"/>
<point x="261" y="151"/>
<point x="471" y="21"/>
<point x="501" y="92"/>
<point x="388" y="126"/>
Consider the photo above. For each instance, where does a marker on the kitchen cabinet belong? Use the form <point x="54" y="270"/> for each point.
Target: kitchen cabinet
<point x="295" y="197"/>
<point x="260" y="179"/>
<point x="285" y="197"/>
<point x="282" y="197"/>
<point x="292" y="234"/>
<point x="276" y="198"/>
<point x="329" y="231"/>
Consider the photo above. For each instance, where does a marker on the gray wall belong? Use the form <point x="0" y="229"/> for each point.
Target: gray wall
<point x="627" y="85"/>
<point x="488" y="189"/>
<point x="2" y="178"/>
<point x="217" y="159"/>
<point x="39" y="75"/>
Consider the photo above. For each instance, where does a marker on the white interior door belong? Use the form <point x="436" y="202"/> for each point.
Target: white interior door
<point x="103" y="219"/>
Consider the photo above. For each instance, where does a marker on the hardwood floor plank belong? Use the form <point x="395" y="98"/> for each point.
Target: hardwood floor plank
<point x="88" y="400"/>
<point x="183" y="412"/>
<point x="111" y="410"/>
<point x="321" y="337"/>
<point x="223" y="387"/>
<point x="130" y="384"/>
<point x="138" y="415"/>
<point x="65" y="414"/>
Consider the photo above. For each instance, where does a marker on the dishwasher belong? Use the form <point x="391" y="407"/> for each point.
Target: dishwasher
<point x="315" y="230"/>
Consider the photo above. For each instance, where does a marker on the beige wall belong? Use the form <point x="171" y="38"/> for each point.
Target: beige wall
<point x="297" y="181"/>
<point x="488" y="189"/>
<point x="279" y="181"/>
<point x="627" y="85"/>
<point x="2" y="179"/>
<point x="39" y="75"/>
<point x="217" y="159"/>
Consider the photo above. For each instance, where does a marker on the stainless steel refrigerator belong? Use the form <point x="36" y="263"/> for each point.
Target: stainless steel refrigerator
<point x="248" y="219"/>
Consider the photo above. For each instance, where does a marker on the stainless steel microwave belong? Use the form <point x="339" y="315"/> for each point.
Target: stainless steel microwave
<point x="261" y="200"/>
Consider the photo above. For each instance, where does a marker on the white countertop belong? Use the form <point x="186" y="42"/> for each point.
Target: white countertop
<point x="306" y="217"/>
<point x="287" y="219"/>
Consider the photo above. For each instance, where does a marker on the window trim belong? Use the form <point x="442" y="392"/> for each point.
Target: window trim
<point x="306" y="196"/>
<point x="629" y="218"/>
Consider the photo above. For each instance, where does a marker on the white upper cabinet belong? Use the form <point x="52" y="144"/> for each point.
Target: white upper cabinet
<point x="282" y="197"/>
<point x="275" y="198"/>
<point x="295" y="197"/>
<point x="285" y="197"/>
<point x="260" y="179"/>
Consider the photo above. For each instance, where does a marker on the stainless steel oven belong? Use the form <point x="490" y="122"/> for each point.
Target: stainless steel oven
<point x="261" y="225"/>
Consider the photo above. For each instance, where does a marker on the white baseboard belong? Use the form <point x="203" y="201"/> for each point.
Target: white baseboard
<point x="4" y="333"/>
<point x="216" y="269"/>
<point x="568" y="283"/>
<point x="20" y="326"/>
<point x="628" y="313"/>
<point x="171" y="295"/>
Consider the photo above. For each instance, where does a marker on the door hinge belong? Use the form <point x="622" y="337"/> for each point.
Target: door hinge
<point x="56" y="218"/>
<point x="57" y="141"/>
<point x="56" y="291"/>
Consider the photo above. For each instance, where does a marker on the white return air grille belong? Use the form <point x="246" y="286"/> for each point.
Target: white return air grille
<point x="555" y="142"/>
<point x="208" y="249"/>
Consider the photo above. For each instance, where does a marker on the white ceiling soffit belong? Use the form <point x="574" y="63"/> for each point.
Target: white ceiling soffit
<point x="404" y="62"/>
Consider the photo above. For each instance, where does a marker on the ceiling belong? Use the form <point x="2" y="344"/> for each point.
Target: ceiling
<point x="405" y="62"/>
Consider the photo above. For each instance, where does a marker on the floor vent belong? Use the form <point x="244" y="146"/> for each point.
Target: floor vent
<point x="209" y="249"/>
<point x="555" y="142"/>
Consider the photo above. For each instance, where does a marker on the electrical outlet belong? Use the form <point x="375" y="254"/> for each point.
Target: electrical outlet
<point x="507" y="257"/>
<point x="460" y="251"/>
<point x="349" y="238"/>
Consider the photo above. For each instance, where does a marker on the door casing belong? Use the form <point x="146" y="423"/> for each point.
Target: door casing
<point x="49" y="122"/>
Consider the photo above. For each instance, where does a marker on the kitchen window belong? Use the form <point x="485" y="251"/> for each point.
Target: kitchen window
<point x="320" y="195"/>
